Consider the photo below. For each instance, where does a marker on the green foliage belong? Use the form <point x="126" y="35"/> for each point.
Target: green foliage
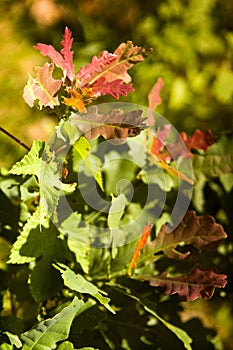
<point x="91" y="203"/>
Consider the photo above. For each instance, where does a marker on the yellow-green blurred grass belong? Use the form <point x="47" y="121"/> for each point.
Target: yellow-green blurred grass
<point x="17" y="60"/>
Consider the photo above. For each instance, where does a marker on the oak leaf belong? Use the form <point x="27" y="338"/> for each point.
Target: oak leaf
<point x="200" y="231"/>
<point x="79" y="98"/>
<point x="199" y="140"/>
<point x="197" y="284"/>
<point x="113" y="66"/>
<point x="154" y="95"/>
<point x="114" y="88"/>
<point x="42" y="88"/>
<point x="97" y="65"/>
<point x="114" y="124"/>
<point x="63" y="60"/>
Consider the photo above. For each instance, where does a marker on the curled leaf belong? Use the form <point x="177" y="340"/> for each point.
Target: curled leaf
<point x="42" y="88"/>
<point x="197" y="284"/>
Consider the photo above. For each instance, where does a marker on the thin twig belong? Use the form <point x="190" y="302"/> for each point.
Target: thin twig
<point x="14" y="138"/>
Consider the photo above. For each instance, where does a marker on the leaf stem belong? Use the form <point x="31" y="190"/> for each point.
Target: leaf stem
<point x="14" y="138"/>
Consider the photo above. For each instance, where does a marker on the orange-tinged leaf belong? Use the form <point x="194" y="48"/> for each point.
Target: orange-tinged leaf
<point x="200" y="231"/>
<point x="154" y="95"/>
<point x="42" y="88"/>
<point x="140" y="244"/>
<point x="199" y="140"/>
<point x="79" y="98"/>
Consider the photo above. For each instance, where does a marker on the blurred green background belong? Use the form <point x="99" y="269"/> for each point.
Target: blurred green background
<point x="193" y="51"/>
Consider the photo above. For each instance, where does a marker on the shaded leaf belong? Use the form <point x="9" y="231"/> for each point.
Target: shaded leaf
<point x="114" y="124"/>
<point x="77" y="239"/>
<point x="47" y="333"/>
<point x="42" y="88"/>
<point x="66" y="345"/>
<point x="200" y="231"/>
<point x="46" y="246"/>
<point x="16" y="256"/>
<point x="199" y="140"/>
<point x="197" y="284"/>
<point x="79" y="284"/>
<point x="180" y="333"/>
<point x="63" y="60"/>
<point x="217" y="161"/>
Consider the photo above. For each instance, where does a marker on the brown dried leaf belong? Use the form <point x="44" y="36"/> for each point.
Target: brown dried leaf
<point x="197" y="284"/>
<point x="114" y="124"/>
<point x="200" y="231"/>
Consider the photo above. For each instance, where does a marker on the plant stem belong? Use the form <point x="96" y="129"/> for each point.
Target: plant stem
<point x="14" y="138"/>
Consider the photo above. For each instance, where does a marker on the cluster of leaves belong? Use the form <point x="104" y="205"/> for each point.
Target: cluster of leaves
<point x="76" y="270"/>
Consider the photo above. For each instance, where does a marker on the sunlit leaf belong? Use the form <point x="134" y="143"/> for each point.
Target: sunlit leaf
<point x="92" y="163"/>
<point x="140" y="244"/>
<point x="47" y="333"/>
<point x="63" y="60"/>
<point x="42" y="88"/>
<point x="113" y="88"/>
<point x="154" y="95"/>
<point x="79" y="284"/>
<point x="39" y="162"/>
<point x="113" y="66"/>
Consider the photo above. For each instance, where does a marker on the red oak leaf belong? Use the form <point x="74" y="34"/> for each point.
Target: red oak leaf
<point x="63" y="60"/>
<point x="114" y="88"/>
<point x="97" y="65"/>
<point x="127" y="56"/>
<point x="113" y="66"/>
<point x="197" y="284"/>
<point x="42" y="88"/>
<point x="200" y="231"/>
<point x="140" y="244"/>
<point x="199" y="140"/>
<point x="154" y="95"/>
